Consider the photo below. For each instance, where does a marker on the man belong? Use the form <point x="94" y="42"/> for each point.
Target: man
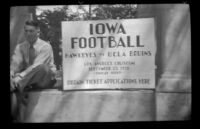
<point x="32" y="64"/>
<point x="33" y="61"/>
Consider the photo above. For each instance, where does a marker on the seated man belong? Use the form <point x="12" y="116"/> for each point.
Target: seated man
<point x="33" y="61"/>
<point x="32" y="64"/>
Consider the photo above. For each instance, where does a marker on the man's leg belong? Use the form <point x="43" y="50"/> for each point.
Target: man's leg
<point x="40" y="77"/>
<point x="14" y="106"/>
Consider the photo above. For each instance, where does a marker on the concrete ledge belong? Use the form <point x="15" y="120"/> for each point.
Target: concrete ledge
<point x="90" y="106"/>
<point x="173" y="106"/>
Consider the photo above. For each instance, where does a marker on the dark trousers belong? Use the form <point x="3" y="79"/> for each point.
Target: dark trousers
<point x="40" y="77"/>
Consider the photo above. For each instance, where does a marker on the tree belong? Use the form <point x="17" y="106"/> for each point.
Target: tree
<point x="50" y="21"/>
<point x="115" y="11"/>
<point x="50" y="25"/>
<point x="102" y="12"/>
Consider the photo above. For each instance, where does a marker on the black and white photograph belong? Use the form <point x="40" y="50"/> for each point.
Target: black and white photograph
<point x="100" y="63"/>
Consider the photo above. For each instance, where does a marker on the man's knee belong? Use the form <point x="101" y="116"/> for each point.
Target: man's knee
<point x="43" y="68"/>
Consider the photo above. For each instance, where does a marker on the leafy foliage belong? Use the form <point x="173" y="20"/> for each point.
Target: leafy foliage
<point x="50" y="21"/>
<point x="115" y="12"/>
<point x="50" y="25"/>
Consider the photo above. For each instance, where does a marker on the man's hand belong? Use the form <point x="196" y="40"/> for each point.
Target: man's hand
<point x="12" y="85"/>
<point x="15" y="82"/>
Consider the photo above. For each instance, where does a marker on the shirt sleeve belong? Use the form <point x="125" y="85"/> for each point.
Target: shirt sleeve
<point x="17" y="59"/>
<point x="43" y="57"/>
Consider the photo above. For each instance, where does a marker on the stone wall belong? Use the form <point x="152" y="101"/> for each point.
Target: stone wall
<point x="18" y="16"/>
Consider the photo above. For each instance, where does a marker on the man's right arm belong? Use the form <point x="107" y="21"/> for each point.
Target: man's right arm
<point x="16" y="61"/>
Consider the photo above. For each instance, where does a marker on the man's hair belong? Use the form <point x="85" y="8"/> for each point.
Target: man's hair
<point x="32" y="23"/>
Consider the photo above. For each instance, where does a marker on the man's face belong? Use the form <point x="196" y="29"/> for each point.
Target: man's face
<point x="31" y="33"/>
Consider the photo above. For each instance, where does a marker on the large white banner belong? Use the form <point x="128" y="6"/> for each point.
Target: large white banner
<point x="109" y="54"/>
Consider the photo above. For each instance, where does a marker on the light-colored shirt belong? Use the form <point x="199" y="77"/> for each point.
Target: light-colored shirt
<point x="43" y="55"/>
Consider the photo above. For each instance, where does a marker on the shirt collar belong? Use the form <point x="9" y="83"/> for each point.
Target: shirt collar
<point x="35" y="44"/>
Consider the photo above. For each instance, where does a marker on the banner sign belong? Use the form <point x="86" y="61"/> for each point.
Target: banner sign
<point x="109" y="54"/>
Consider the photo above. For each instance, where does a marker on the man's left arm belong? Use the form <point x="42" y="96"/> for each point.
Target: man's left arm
<point x="43" y="57"/>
